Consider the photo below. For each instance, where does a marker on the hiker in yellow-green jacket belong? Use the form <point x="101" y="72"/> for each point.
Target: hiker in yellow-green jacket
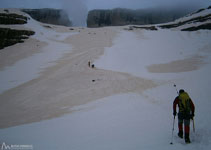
<point x="186" y="112"/>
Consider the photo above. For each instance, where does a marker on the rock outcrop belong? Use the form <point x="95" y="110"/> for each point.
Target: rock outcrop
<point x="12" y="18"/>
<point x="50" y="16"/>
<point x="206" y="26"/>
<point x="10" y="37"/>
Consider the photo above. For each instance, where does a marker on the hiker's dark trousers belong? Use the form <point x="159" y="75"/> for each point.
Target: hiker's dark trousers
<point x="184" y="118"/>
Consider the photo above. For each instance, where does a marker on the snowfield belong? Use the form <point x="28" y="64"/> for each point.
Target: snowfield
<point x="139" y="120"/>
<point x="134" y="53"/>
<point x="127" y="121"/>
<point x="30" y="67"/>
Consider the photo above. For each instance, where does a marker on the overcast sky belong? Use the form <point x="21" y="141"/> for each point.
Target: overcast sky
<point x="78" y="9"/>
<point x="93" y="4"/>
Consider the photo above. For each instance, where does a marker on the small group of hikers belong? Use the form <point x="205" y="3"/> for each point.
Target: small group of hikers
<point x="186" y="112"/>
<point x="91" y="65"/>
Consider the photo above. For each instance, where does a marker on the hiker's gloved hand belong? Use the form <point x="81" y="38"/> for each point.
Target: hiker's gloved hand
<point x="174" y="113"/>
<point x="191" y="116"/>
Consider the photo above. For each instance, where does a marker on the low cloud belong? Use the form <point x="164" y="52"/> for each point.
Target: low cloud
<point x="77" y="11"/>
<point x="135" y="4"/>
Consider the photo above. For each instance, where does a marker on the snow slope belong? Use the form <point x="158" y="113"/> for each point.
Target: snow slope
<point x="126" y="121"/>
<point x="134" y="121"/>
<point x="199" y="19"/>
<point x="30" y="67"/>
<point x="194" y="15"/>
<point x="152" y="47"/>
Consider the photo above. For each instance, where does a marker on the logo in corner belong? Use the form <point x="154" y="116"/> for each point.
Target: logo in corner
<point x="4" y="146"/>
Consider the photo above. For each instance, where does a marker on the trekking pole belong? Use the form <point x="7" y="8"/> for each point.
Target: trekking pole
<point x="172" y="131"/>
<point x="193" y="126"/>
<point x="176" y="88"/>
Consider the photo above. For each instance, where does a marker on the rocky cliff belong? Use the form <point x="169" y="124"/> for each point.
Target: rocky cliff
<point x="12" y="18"/>
<point x="10" y="36"/>
<point x="120" y="16"/>
<point x="48" y="15"/>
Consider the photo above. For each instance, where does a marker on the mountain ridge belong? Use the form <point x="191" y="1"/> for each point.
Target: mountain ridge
<point x="124" y="16"/>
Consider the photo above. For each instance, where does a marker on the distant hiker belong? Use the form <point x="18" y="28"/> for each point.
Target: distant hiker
<point x="89" y="63"/>
<point x="186" y="112"/>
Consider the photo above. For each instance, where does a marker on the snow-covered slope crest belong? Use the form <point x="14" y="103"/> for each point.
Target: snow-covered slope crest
<point x="195" y="21"/>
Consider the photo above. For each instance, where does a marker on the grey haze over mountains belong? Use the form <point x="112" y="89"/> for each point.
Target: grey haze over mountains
<point x="120" y="16"/>
<point x="78" y="9"/>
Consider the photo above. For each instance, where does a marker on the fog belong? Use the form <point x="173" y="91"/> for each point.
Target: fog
<point x="78" y="9"/>
<point x="136" y="4"/>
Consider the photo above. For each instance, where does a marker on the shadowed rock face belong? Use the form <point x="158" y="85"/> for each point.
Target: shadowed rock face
<point x="120" y="16"/>
<point x="10" y="37"/>
<point x="51" y="16"/>
<point x="200" y="27"/>
<point x="11" y="18"/>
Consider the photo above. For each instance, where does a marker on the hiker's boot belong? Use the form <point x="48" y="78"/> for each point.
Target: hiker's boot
<point x="187" y="139"/>
<point x="180" y="134"/>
